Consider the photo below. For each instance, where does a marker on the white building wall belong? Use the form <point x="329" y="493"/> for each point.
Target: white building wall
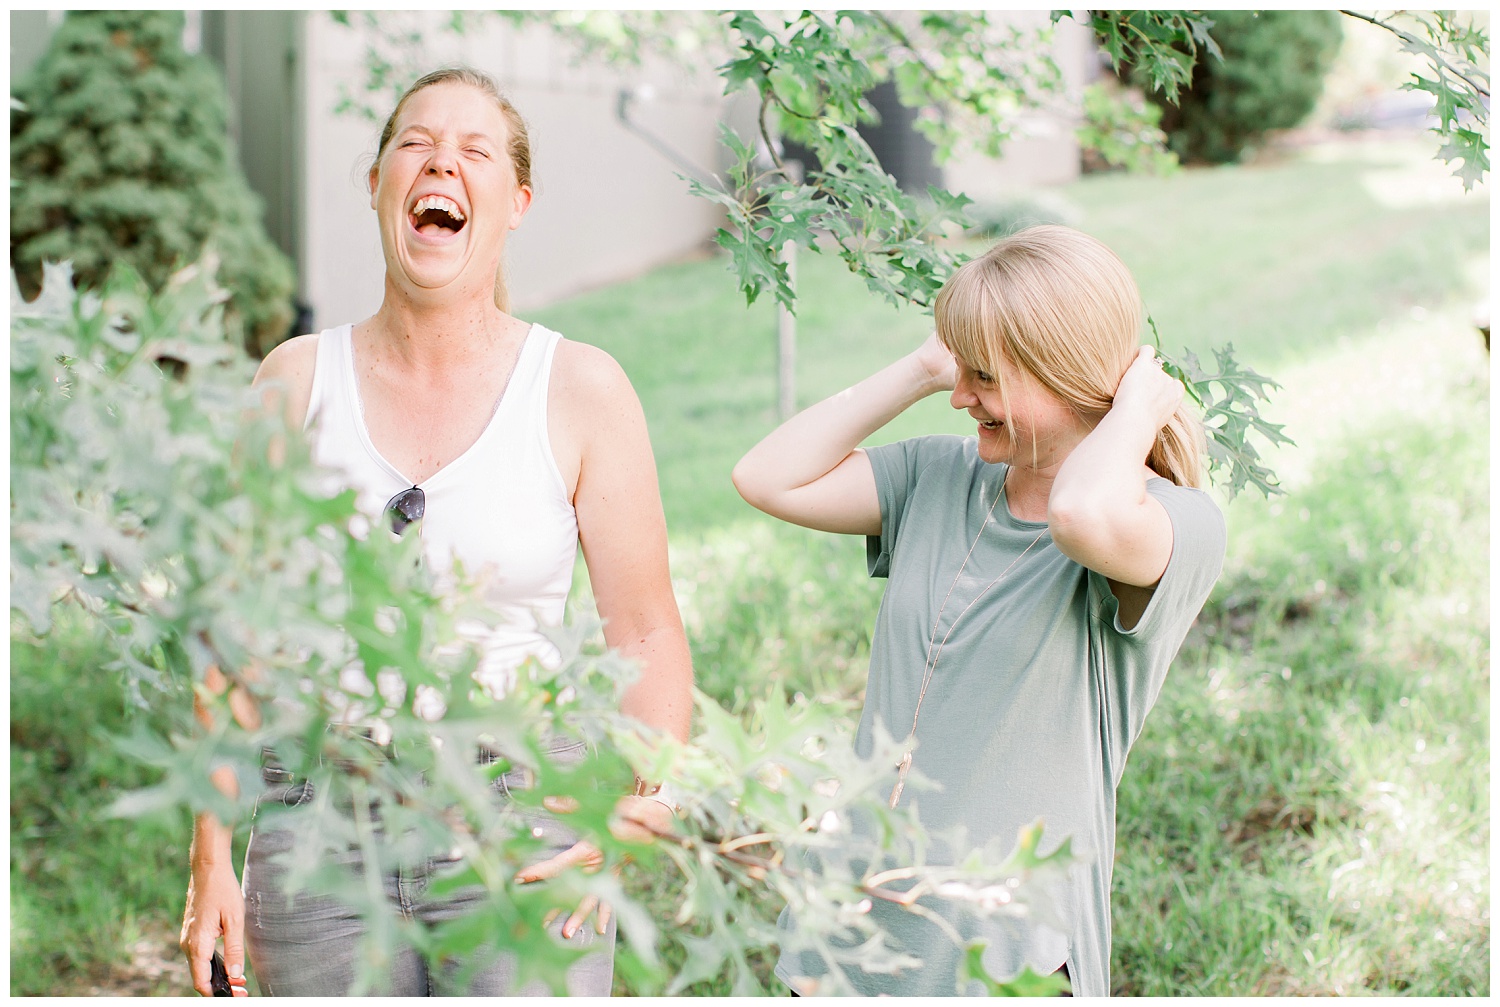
<point x="607" y="205"/>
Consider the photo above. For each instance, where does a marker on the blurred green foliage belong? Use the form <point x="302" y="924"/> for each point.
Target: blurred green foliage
<point x="120" y="153"/>
<point x="1268" y="76"/>
<point x="85" y="887"/>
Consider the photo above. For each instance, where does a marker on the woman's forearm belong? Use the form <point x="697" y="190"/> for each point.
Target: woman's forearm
<point x="212" y="840"/>
<point x="1099" y="511"/>
<point x="662" y="698"/>
<point x="214" y="907"/>
<point x="775" y="474"/>
<point x="1108" y="467"/>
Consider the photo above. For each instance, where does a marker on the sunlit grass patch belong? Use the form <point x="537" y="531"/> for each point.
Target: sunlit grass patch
<point x="1307" y="810"/>
<point x="1285" y="260"/>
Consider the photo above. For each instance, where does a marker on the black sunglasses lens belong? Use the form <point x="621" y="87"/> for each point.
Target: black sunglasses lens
<point x="406" y="508"/>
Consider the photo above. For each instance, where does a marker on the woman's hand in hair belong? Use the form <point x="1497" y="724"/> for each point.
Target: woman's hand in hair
<point x="1099" y="511"/>
<point x="1147" y="393"/>
<point x="938" y="363"/>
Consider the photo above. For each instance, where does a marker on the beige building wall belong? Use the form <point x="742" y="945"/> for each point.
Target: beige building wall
<point x="1044" y="150"/>
<point x="607" y="205"/>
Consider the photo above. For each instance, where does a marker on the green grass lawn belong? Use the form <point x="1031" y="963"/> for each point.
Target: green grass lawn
<point x="1307" y="810"/>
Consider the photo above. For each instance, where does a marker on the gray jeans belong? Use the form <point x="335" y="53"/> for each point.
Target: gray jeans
<point x="302" y="944"/>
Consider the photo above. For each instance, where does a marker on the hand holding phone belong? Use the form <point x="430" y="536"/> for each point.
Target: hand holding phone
<point x="218" y="977"/>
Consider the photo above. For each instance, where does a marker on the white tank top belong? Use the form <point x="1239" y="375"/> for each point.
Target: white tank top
<point x="498" y="514"/>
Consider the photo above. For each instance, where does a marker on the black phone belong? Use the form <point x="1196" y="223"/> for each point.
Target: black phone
<point x="218" y="977"/>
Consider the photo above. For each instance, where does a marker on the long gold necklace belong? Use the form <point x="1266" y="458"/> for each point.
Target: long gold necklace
<point x="935" y="648"/>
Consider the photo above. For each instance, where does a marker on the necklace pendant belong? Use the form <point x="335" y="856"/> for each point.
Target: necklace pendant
<point x="901" y="771"/>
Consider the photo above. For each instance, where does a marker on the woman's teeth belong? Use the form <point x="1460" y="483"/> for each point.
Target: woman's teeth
<point x="437" y="214"/>
<point x="448" y="206"/>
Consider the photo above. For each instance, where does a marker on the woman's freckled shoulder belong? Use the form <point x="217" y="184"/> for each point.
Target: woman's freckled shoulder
<point x="289" y="367"/>
<point x="291" y="361"/>
<point x="586" y="370"/>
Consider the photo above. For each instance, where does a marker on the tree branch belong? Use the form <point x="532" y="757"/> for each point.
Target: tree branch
<point x="902" y="39"/>
<point x="1434" y="56"/>
<point x="766" y="98"/>
<point x="932" y="75"/>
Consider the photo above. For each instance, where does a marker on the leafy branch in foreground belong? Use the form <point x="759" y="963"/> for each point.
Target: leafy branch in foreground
<point x="1162" y="45"/>
<point x="810" y="75"/>
<point x="1456" y="49"/>
<point x="146" y="492"/>
<point x="1228" y="399"/>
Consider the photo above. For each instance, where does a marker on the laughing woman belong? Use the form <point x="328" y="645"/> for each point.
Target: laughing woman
<point x="1041" y="576"/>
<point x="512" y="446"/>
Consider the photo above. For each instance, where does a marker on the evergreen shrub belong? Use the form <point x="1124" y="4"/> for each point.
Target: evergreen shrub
<point x="1270" y="78"/>
<point x="120" y="153"/>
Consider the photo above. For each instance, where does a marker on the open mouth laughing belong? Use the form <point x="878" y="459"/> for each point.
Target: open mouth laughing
<point x="434" y="216"/>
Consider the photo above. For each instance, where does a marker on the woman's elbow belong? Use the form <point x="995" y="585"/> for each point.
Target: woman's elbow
<point x="1078" y="526"/>
<point x="751" y="484"/>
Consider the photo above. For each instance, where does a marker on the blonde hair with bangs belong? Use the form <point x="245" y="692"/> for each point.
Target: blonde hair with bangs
<point x="1062" y="307"/>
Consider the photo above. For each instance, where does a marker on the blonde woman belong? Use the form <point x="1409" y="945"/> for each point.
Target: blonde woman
<point x="1041" y="574"/>
<point x="506" y="447"/>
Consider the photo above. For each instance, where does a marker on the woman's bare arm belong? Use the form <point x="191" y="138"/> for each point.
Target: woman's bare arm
<point x="810" y="470"/>
<point x="623" y="531"/>
<point x="599" y="439"/>
<point x="1099" y="511"/>
<point x="214" y="905"/>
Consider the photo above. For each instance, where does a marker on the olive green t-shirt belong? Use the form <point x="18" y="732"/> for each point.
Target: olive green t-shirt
<point x="1036" y="698"/>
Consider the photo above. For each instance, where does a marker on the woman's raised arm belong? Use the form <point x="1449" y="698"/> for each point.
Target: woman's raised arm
<point x="810" y="471"/>
<point x="1099" y="511"/>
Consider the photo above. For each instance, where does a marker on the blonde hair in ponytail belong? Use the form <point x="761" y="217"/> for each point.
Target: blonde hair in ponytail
<point x="1062" y="307"/>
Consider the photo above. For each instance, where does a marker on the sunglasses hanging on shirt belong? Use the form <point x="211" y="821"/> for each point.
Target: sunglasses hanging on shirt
<point x="406" y="508"/>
